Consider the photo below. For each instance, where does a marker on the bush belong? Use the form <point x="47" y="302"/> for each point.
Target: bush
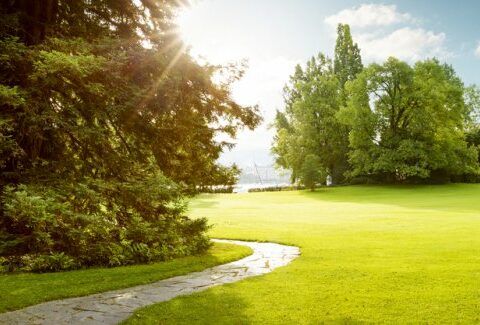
<point x="277" y="188"/>
<point x="217" y="189"/>
<point x="49" y="263"/>
<point x="67" y="226"/>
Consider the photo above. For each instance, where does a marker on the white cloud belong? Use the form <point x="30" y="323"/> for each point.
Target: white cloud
<point x="373" y="31"/>
<point x="477" y="50"/>
<point x="369" y="15"/>
<point x="410" y="44"/>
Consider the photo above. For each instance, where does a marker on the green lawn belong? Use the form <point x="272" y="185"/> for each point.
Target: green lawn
<point x="24" y="289"/>
<point x="369" y="254"/>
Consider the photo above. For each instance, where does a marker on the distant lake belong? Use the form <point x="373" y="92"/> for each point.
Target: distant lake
<point x="243" y="188"/>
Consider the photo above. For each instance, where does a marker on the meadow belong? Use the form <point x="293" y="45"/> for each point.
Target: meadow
<point x="381" y="254"/>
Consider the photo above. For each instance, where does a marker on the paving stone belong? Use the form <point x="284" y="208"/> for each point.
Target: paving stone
<point x="114" y="306"/>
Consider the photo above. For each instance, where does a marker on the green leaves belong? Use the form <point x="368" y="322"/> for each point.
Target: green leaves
<point x="395" y="122"/>
<point x="96" y="222"/>
<point x="101" y="137"/>
<point x="11" y="96"/>
<point x="347" y="62"/>
<point x="312" y="171"/>
<point x="310" y="125"/>
<point x="407" y="122"/>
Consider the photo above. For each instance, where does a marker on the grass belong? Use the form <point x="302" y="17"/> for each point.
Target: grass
<point x="25" y="289"/>
<point x="370" y="254"/>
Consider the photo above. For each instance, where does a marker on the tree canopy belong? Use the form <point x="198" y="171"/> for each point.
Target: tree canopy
<point x="408" y="122"/>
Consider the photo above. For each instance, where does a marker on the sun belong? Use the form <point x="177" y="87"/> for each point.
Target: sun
<point x="207" y="37"/>
<point x="186" y="22"/>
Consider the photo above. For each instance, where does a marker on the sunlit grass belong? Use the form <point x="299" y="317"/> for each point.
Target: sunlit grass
<point x="24" y="289"/>
<point x="369" y="254"/>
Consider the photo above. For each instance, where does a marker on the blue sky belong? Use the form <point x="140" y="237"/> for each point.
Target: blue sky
<point x="274" y="35"/>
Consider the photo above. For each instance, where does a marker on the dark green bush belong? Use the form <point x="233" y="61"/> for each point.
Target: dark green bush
<point x="62" y="227"/>
<point x="217" y="189"/>
<point x="276" y="188"/>
<point x="48" y="263"/>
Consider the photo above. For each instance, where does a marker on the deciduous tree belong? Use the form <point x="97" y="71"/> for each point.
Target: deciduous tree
<point x="408" y="122"/>
<point x="313" y="97"/>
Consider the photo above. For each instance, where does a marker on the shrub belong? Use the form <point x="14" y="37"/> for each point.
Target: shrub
<point x="61" y="227"/>
<point x="49" y="263"/>
<point x="277" y="188"/>
<point x="217" y="189"/>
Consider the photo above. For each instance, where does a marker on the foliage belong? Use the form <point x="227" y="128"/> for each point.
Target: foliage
<point x="348" y="62"/>
<point x="217" y="189"/>
<point x="102" y="113"/>
<point x="390" y="122"/>
<point x="472" y="105"/>
<point x="276" y="188"/>
<point x="309" y="125"/>
<point x="401" y="129"/>
<point x="48" y="230"/>
<point x="312" y="172"/>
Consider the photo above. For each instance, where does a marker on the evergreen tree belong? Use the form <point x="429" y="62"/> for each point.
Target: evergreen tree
<point x="105" y="122"/>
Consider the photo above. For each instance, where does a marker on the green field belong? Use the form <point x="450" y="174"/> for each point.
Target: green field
<point x="369" y="254"/>
<point x="25" y="289"/>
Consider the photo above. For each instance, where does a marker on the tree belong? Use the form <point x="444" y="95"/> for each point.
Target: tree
<point x="312" y="172"/>
<point x="309" y="125"/>
<point x="401" y="129"/>
<point x="472" y="106"/>
<point x="472" y="122"/>
<point x="105" y="122"/>
<point x="313" y="98"/>
<point x="347" y="62"/>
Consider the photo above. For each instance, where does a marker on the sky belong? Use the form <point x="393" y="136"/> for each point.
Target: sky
<point x="275" y="35"/>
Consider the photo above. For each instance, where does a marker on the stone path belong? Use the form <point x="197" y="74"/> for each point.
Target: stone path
<point x="114" y="306"/>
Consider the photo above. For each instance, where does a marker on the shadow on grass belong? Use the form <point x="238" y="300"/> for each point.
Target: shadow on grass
<point x="216" y="306"/>
<point x="204" y="201"/>
<point x="453" y="197"/>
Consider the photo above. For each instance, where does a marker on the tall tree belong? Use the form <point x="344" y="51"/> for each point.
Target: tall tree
<point x="309" y="125"/>
<point x="347" y="62"/>
<point x="313" y="97"/>
<point x="102" y="116"/>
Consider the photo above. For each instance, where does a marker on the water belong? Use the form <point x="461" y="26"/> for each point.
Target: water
<point x="243" y="188"/>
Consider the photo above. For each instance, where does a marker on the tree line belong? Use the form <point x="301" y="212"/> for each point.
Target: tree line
<point x="106" y="123"/>
<point x="384" y="123"/>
